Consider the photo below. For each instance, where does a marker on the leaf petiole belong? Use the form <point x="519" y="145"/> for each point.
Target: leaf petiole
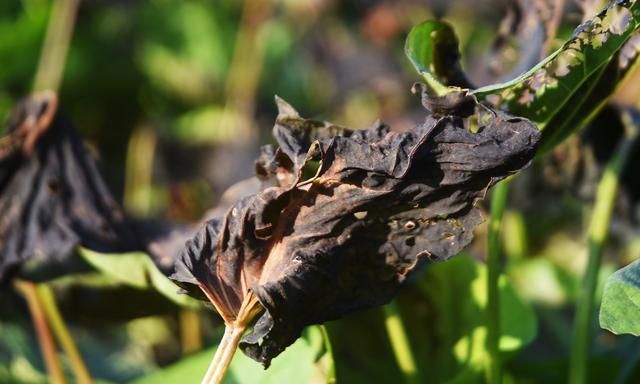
<point x="233" y="332"/>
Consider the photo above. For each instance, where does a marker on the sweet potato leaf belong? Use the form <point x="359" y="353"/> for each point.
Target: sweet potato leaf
<point x="620" y="308"/>
<point x="52" y="197"/>
<point x="53" y="200"/>
<point x="380" y="204"/>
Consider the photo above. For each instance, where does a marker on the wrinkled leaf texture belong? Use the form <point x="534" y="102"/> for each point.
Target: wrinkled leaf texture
<point x="381" y="203"/>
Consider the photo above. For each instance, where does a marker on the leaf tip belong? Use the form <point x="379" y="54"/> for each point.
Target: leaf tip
<point x="285" y="109"/>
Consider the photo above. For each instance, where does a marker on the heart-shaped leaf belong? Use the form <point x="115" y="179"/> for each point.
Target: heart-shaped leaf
<point x="380" y="204"/>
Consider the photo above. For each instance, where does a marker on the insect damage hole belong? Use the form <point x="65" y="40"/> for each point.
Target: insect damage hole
<point x="409" y="225"/>
<point x="53" y="186"/>
<point x="360" y="215"/>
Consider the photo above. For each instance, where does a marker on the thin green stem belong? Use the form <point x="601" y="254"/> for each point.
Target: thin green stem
<point x="138" y="185"/>
<point x="190" y="330"/>
<point x="61" y="331"/>
<point x="597" y="237"/>
<point x="400" y="343"/>
<point x="45" y="339"/>
<point x="436" y="88"/>
<point x="331" y="370"/>
<point x="56" y="45"/>
<point x="498" y="203"/>
<point x="514" y="235"/>
<point x="40" y="299"/>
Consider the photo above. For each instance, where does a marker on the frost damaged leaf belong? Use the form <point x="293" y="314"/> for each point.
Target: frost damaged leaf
<point x="381" y="204"/>
<point x="52" y="197"/>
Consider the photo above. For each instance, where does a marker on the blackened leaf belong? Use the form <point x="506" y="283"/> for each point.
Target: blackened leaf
<point x="380" y="204"/>
<point x="53" y="199"/>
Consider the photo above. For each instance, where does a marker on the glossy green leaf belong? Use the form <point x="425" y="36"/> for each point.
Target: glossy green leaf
<point x="297" y="364"/>
<point x="137" y="270"/>
<point x="432" y="48"/>
<point x="620" y="310"/>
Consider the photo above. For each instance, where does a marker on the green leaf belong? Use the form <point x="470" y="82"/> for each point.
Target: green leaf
<point x="297" y="364"/>
<point x="563" y="91"/>
<point x="543" y="91"/>
<point x="620" y="310"/>
<point x="432" y="48"/>
<point x="518" y="324"/>
<point x="444" y="315"/>
<point x="137" y="270"/>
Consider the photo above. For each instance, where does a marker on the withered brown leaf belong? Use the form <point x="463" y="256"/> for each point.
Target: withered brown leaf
<point x="381" y="203"/>
<point x="53" y="197"/>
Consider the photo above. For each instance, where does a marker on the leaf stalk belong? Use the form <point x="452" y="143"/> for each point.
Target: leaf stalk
<point x="498" y="203"/>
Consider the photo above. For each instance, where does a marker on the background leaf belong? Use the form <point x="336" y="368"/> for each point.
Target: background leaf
<point x="621" y="301"/>
<point x="297" y="364"/>
<point x="137" y="270"/>
<point x="444" y="314"/>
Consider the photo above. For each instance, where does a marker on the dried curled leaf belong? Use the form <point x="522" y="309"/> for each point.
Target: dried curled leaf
<point x="53" y="198"/>
<point x="380" y="204"/>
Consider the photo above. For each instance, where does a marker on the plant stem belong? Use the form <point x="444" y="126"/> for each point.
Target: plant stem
<point x="56" y="45"/>
<point x="597" y="237"/>
<point x="40" y="300"/>
<point x="45" y="340"/>
<point x="498" y="203"/>
<point x="54" y="318"/>
<point x="224" y="354"/>
<point x="190" y="330"/>
<point x="331" y="370"/>
<point x="138" y="185"/>
<point x="245" y="71"/>
<point x="514" y="235"/>
<point x="234" y="329"/>
<point x="400" y="343"/>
